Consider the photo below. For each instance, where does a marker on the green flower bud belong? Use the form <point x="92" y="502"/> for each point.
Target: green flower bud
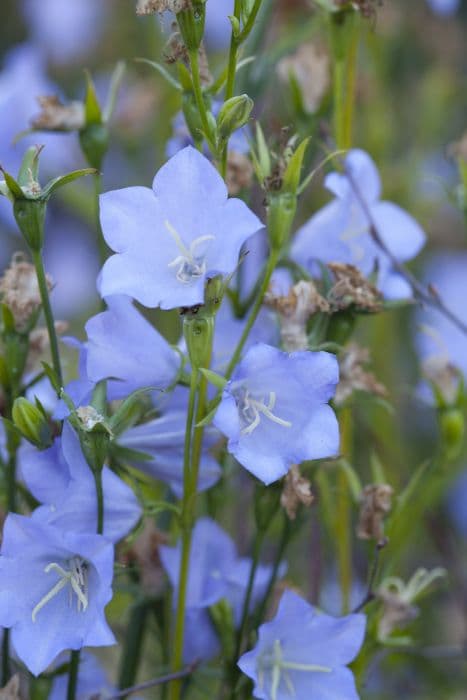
<point x="191" y="24"/>
<point x="30" y="217"/>
<point x="281" y="214"/>
<point x="32" y="422"/>
<point x="198" y="334"/>
<point x="94" y="142"/>
<point x="94" y="436"/>
<point x="233" y="115"/>
<point x="222" y="618"/>
<point x="452" y="426"/>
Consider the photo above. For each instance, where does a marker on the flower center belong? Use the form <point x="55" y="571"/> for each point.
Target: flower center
<point x="76" y="576"/>
<point x="275" y="664"/>
<point x="251" y="410"/>
<point x="191" y="263"/>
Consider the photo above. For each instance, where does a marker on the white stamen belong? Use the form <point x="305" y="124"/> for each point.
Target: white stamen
<point x="251" y="410"/>
<point x="191" y="264"/>
<point x="278" y="666"/>
<point x="75" y="576"/>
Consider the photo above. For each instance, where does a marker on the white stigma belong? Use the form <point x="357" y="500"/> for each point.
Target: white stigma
<point x="191" y="263"/>
<point x="76" y="577"/>
<point x="279" y="667"/>
<point x="251" y="410"/>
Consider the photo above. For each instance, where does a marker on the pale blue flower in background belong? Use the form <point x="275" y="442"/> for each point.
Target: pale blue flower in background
<point x="274" y="410"/>
<point x="170" y="239"/>
<point x="302" y="654"/>
<point x="54" y="586"/>
<point x="445" y="8"/>
<point x="65" y="31"/>
<point x="340" y="231"/>
<point x="92" y="681"/>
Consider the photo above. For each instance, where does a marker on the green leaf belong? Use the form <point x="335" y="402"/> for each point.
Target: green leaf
<point x="293" y="171"/>
<point x="209" y="416"/>
<point x="126" y="454"/>
<point x="129" y="411"/>
<point x="214" y="378"/>
<point x="165" y="73"/>
<point x="185" y="78"/>
<point x="352" y="479"/>
<point x="92" y="108"/>
<point x="53" y="378"/>
<point x="115" y="83"/>
<point x="13" y="186"/>
<point x="62" y="180"/>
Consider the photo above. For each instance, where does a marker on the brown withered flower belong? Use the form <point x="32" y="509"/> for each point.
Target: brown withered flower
<point x="294" y="311"/>
<point x="56" y="116"/>
<point x="351" y="288"/>
<point x="19" y="289"/>
<point x="39" y="342"/>
<point x="354" y="377"/>
<point x="445" y="377"/>
<point x="310" y="68"/>
<point x="296" y="492"/>
<point x="150" y="7"/>
<point x="375" y="504"/>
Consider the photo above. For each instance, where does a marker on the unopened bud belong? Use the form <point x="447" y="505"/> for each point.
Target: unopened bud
<point x="452" y="427"/>
<point x="190" y="20"/>
<point x="32" y="423"/>
<point x="233" y="114"/>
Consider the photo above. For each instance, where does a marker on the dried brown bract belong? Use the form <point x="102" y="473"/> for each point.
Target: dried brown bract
<point x="294" y="310"/>
<point x="55" y="116"/>
<point x="239" y="172"/>
<point x="351" y="288"/>
<point x="19" y="289"/>
<point x="397" y="612"/>
<point x="443" y="375"/>
<point x="296" y="492"/>
<point x="354" y="376"/>
<point x="310" y="68"/>
<point x="374" y="506"/>
<point x="144" y="553"/>
<point x="150" y="7"/>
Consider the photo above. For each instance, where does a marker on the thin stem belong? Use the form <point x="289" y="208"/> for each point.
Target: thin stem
<point x="100" y="500"/>
<point x="343" y="510"/>
<point x="175" y="687"/>
<point x="5" y="657"/>
<point x="273" y="258"/>
<point x="198" y="93"/>
<point x="47" y="309"/>
<point x="248" y="593"/>
<point x="73" y="675"/>
<point x="133" y="645"/>
<point x="155" y="681"/>
<point x="233" y="55"/>
<point x="284" y="541"/>
<point x="101" y="244"/>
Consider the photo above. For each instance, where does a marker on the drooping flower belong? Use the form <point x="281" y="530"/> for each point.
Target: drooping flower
<point x="126" y="349"/>
<point x="303" y="654"/>
<point x="54" y="586"/>
<point x="216" y="572"/>
<point x="171" y="238"/>
<point x="62" y="481"/>
<point x="274" y="410"/>
<point x="340" y="231"/>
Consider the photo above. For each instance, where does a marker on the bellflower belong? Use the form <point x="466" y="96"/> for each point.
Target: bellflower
<point x="340" y="231"/>
<point x="274" y="410"/>
<point x="445" y="8"/>
<point x="303" y="654"/>
<point x="216" y="572"/>
<point x="125" y="347"/>
<point x="62" y="481"/>
<point x="92" y="681"/>
<point x="163" y="439"/>
<point x="54" y="586"/>
<point x="67" y="30"/>
<point x="171" y="238"/>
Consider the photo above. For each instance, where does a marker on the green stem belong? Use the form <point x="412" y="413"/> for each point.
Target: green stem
<point x="47" y="309"/>
<point x="286" y="534"/>
<point x="273" y="258"/>
<point x="233" y="55"/>
<point x="101" y="244"/>
<point x="5" y="657"/>
<point x="175" y="686"/>
<point x="73" y="675"/>
<point x="132" y="648"/>
<point x="200" y="103"/>
<point x="344" y="34"/>
<point x="100" y="501"/>
<point x="343" y="510"/>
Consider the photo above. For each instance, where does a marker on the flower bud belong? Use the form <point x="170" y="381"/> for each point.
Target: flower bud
<point x="452" y="425"/>
<point x="281" y="215"/>
<point x="30" y="216"/>
<point x="191" y="24"/>
<point x="94" y="436"/>
<point x="31" y="420"/>
<point x="94" y="142"/>
<point x="198" y="333"/>
<point x="233" y="114"/>
<point x="222" y="618"/>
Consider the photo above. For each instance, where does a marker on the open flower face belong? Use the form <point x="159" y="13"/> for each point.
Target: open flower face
<point x="171" y="238"/>
<point x="54" y="587"/>
<point x="274" y="410"/>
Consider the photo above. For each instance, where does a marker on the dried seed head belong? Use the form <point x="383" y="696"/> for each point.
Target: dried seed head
<point x="375" y="504"/>
<point x="19" y="289"/>
<point x="239" y="172"/>
<point x="444" y="376"/>
<point x="353" y="376"/>
<point x="297" y="490"/>
<point x="310" y="68"/>
<point x="39" y="343"/>
<point x="397" y="612"/>
<point x="150" y="7"/>
<point x="295" y="309"/>
<point x="55" y="116"/>
<point x="351" y="288"/>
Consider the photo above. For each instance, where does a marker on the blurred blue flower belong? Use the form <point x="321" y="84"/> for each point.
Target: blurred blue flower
<point x="62" y="481"/>
<point x="171" y="238"/>
<point x="92" y="681"/>
<point x="303" y="654"/>
<point x="54" y="586"/>
<point x="340" y="231"/>
<point x="216" y="572"/>
<point x="274" y="410"/>
<point x="125" y="348"/>
<point x="65" y="30"/>
<point x="445" y="8"/>
<point x="218" y="29"/>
